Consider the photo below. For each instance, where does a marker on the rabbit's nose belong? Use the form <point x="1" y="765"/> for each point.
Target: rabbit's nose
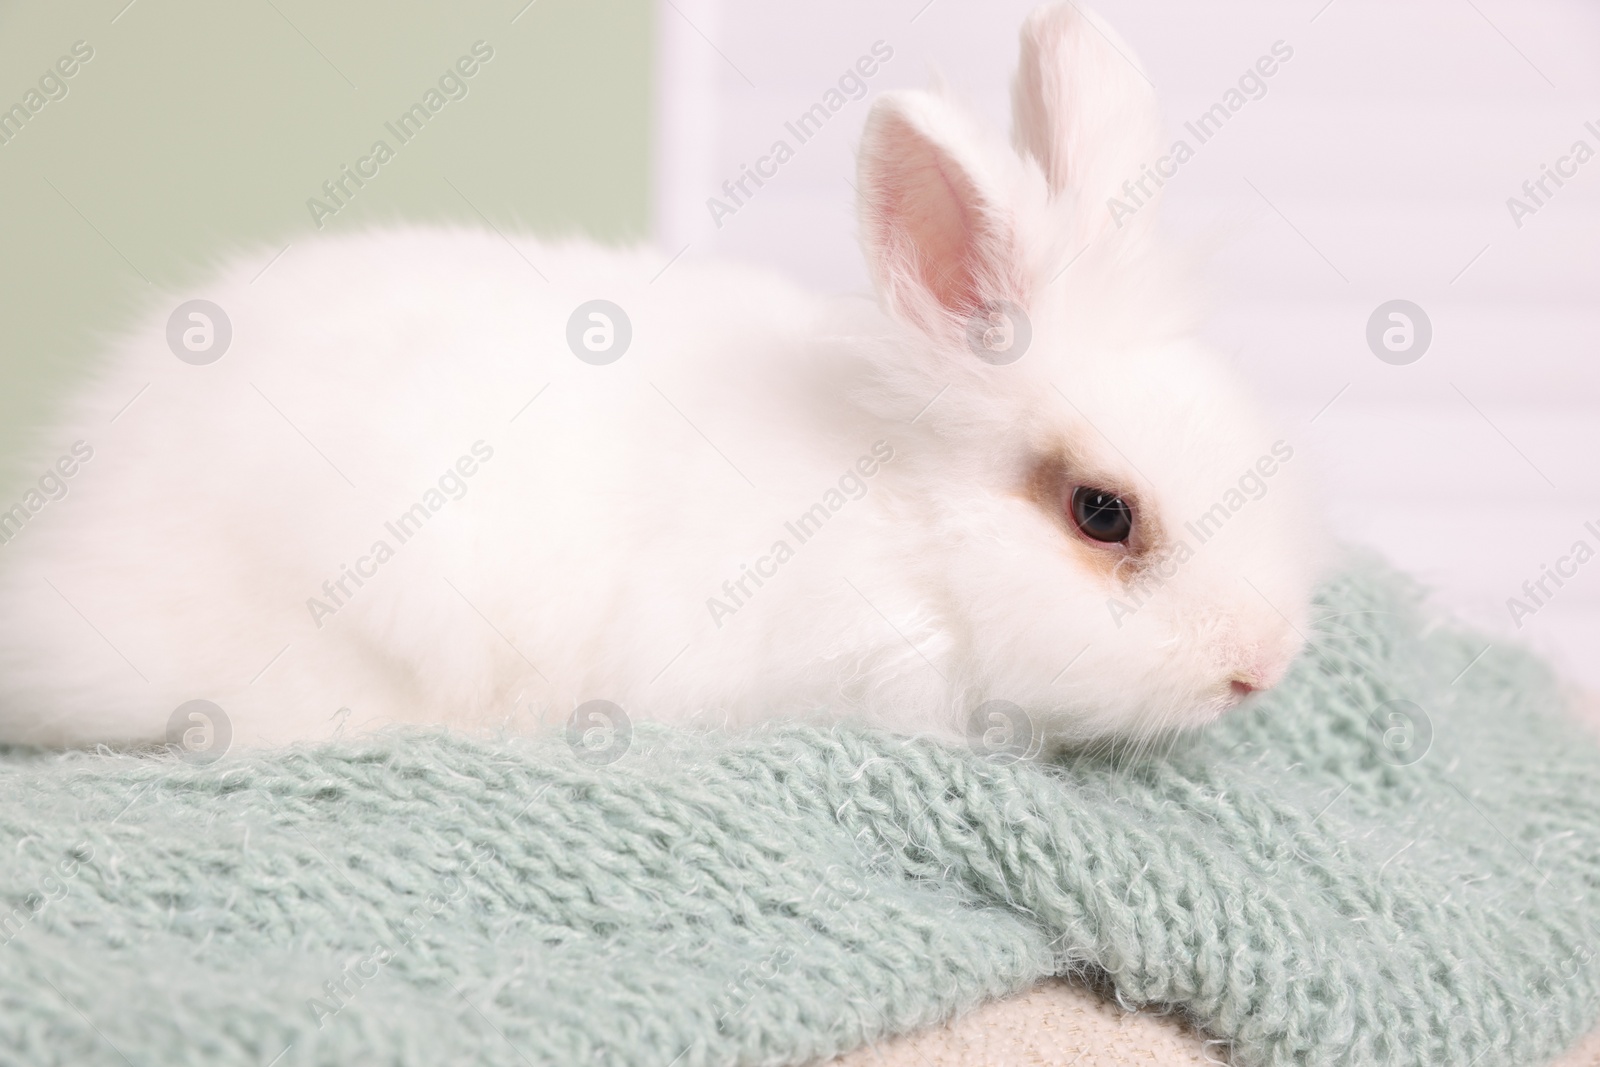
<point x="1262" y="672"/>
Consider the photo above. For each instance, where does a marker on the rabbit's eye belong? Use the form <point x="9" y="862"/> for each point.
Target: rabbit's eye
<point x="1101" y="515"/>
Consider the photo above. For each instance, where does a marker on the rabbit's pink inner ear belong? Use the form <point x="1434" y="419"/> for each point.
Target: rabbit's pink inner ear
<point x="929" y="227"/>
<point x="929" y="213"/>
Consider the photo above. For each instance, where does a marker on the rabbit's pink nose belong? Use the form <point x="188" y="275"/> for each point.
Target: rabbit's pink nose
<point x="1256" y="673"/>
<point x="1253" y="679"/>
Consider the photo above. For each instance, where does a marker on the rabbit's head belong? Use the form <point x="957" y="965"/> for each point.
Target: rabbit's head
<point x="1115" y="540"/>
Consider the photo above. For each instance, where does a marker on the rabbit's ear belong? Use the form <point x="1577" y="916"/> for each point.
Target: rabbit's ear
<point x="1082" y="109"/>
<point x="939" y="240"/>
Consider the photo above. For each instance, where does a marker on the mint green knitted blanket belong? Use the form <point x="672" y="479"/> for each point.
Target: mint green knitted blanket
<point x="1323" y="879"/>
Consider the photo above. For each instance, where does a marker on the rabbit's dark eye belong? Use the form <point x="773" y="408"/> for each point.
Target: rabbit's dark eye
<point x="1101" y="515"/>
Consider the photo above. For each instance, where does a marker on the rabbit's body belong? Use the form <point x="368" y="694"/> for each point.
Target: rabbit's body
<point x="770" y="504"/>
<point x="595" y="526"/>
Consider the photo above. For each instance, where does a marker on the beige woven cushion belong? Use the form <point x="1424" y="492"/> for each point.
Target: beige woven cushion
<point x="1062" y="1023"/>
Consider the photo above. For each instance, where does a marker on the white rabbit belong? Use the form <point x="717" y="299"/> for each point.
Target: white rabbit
<point x="400" y="495"/>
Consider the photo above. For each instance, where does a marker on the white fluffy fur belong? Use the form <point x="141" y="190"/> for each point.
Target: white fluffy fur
<point x="580" y="562"/>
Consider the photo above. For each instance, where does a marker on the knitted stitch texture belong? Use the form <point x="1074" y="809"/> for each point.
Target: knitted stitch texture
<point x="1296" y="879"/>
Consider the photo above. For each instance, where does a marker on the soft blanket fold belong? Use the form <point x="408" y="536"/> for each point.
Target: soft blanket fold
<point x="1331" y="877"/>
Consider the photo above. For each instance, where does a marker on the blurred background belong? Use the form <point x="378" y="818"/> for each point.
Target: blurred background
<point x="200" y="129"/>
<point x="1378" y="163"/>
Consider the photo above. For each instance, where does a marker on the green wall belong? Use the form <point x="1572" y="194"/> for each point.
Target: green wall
<point x="198" y="126"/>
